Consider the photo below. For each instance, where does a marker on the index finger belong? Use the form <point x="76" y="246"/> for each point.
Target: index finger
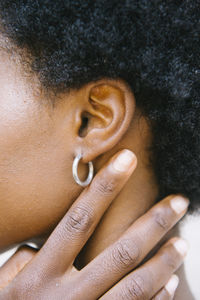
<point x="77" y="225"/>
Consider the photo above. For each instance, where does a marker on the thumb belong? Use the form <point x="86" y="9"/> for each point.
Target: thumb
<point x="15" y="264"/>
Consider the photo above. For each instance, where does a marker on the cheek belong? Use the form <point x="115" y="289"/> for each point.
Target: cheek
<point x="36" y="183"/>
<point x="35" y="176"/>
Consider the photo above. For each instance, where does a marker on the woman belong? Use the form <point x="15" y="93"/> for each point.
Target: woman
<point x="80" y="82"/>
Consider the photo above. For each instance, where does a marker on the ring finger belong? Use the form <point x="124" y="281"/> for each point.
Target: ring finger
<point x="147" y="280"/>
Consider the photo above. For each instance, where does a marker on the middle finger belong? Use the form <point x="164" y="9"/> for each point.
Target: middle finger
<point x="131" y="248"/>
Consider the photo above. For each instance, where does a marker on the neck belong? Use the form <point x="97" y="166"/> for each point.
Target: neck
<point x="134" y="200"/>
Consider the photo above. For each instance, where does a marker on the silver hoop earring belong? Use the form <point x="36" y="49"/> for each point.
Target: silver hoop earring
<point x="75" y="171"/>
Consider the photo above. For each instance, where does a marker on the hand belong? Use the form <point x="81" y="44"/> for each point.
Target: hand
<point x="50" y="273"/>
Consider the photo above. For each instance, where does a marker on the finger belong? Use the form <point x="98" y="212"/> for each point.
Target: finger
<point x="168" y="291"/>
<point x="15" y="264"/>
<point x="147" y="280"/>
<point x="80" y="221"/>
<point x="133" y="246"/>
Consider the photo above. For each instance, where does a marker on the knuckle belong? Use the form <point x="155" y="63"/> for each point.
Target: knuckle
<point x="134" y="289"/>
<point x="125" y="256"/>
<point x="79" y="220"/>
<point x="160" y="220"/>
<point x="104" y="187"/>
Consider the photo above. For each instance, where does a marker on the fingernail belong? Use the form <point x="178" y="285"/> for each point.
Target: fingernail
<point x="124" y="161"/>
<point x="181" y="246"/>
<point x="179" y="204"/>
<point x="172" y="284"/>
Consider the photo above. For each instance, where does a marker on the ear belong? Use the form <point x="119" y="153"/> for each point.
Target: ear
<point x="103" y="115"/>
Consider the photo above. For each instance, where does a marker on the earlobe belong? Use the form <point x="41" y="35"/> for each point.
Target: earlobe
<point x="107" y="115"/>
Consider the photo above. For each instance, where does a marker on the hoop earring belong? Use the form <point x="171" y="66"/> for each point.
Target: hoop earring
<point x="75" y="172"/>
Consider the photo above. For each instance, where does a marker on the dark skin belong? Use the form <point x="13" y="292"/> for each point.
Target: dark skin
<point x="45" y="139"/>
<point x="38" y="145"/>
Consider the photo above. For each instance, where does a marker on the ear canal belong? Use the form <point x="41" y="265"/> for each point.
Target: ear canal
<point x="98" y="118"/>
<point x="84" y="125"/>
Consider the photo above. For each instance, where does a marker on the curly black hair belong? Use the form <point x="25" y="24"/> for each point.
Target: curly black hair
<point x="153" y="45"/>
